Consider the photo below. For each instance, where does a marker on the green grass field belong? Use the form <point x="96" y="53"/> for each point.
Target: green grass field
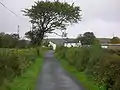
<point x="87" y="82"/>
<point x="28" y="80"/>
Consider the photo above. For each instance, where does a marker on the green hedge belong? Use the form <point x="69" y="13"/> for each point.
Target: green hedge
<point x="99" y="63"/>
<point x="13" y="62"/>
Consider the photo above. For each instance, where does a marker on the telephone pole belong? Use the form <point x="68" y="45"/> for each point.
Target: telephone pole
<point x="18" y="31"/>
<point x="113" y="34"/>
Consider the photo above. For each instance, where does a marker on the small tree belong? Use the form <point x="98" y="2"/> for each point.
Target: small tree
<point x="47" y="16"/>
<point x="87" y="38"/>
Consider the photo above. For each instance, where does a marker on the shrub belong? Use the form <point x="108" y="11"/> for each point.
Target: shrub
<point x="82" y="58"/>
<point x="108" y="72"/>
<point x="61" y="51"/>
<point x="13" y="63"/>
<point x="71" y="55"/>
<point x="95" y="54"/>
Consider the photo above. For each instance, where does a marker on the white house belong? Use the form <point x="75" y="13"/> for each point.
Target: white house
<point x="69" y="42"/>
<point x="72" y="44"/>
<point x="52" y="44"/>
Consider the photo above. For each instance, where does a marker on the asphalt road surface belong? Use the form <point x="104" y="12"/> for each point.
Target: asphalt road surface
<point x="54" y="77"/>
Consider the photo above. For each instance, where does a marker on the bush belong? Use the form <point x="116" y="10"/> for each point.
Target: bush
<point x="95" y="55"/>
<point x="75" y="56"/>
<point x="14" y="62"/>
<point x="71" y="55"/>
<point x="108" y="72"/>
<point x="82" y="58"/>
<point x="61" y="51"/>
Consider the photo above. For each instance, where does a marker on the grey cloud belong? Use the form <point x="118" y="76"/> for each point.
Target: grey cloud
<point x="105" y="9"/>
<point x="100" y="16"/>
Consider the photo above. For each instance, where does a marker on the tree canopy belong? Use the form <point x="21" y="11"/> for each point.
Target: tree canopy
<point x="47" y="16"/>
<point x="87" y="38"/>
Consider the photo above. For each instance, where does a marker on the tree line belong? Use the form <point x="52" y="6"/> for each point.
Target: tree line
<point x="88" y="38"/>
<point x="12" y="41"/>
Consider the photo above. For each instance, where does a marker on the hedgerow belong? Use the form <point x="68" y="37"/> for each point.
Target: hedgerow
<point x="102" y="64"/>
<point x="13" y="62"/>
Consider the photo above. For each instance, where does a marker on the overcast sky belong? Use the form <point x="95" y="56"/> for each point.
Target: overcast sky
<point x="99" y="16"/>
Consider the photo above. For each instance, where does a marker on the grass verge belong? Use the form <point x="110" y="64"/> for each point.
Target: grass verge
<point x="28" y="80"/>
<point x="87" y="82"/>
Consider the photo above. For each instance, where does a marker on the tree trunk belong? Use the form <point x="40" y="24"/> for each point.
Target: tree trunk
<point x="39" y="42"/>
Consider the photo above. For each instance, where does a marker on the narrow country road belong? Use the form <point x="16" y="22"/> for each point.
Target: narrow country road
<point x="54" y="77"/>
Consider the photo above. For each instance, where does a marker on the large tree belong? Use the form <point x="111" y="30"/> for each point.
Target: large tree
<point x="46" y="16"/>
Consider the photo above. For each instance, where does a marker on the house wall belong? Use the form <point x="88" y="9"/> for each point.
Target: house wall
<point x="104" y="46"/>
<point x="72" y="44"/>
<point x="53" y="45"/>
